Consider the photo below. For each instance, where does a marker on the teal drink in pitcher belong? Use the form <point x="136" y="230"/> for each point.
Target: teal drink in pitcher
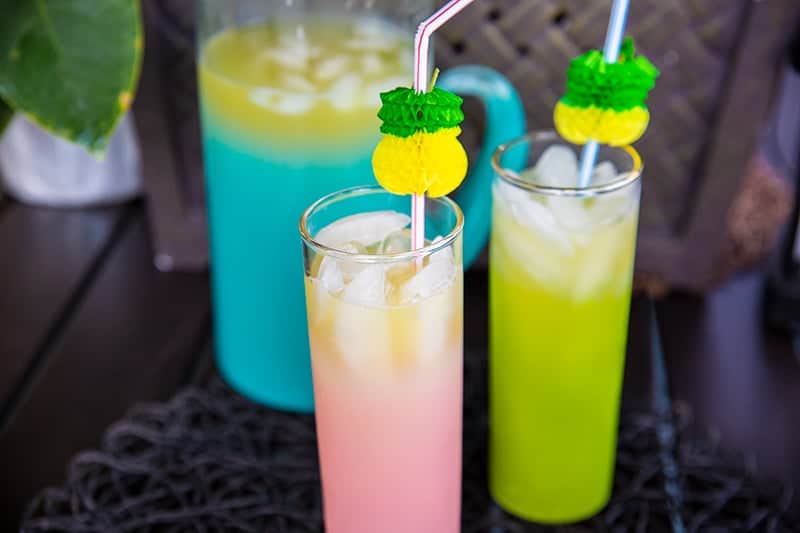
<point x="288" y="99"/>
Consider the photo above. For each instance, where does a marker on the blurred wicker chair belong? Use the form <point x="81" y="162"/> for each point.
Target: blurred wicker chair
<point x="719" y="61"/>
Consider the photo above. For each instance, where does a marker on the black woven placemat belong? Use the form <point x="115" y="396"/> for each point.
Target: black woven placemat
<point x="211" y="461"/>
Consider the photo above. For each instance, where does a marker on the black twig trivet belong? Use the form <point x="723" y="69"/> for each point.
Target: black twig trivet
<point x="211" y="461"/>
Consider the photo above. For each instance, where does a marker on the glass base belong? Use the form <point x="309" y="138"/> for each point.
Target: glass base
<point x="543" y="515"/>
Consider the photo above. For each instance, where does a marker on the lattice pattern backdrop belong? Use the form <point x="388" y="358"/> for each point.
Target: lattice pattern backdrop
<point x="719" y="59"/>
<point x="691" y="41"/>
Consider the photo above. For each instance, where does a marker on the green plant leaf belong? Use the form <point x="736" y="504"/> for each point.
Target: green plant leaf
<point x="5" y="116"/>
<point x="71" y="65"/>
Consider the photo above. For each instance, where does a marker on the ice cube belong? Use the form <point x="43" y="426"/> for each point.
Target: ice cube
<point x="297" y="82"/>
<point x="294" y="104"/>
<point x="525" y="250"/>
<point x="361" y="334"/>
<point x="534" y="215"/>
<point x="371" y="63"/>
<point x="434" y="277"/>
<point x="572" y="213"/>
<point x="351" y="268"/>
<point x="344" y="93"/>
<point x="612" y="207"/>
<point x="285" y="103"/>
<point x="377" y="44"/>
<point x="330" y="275"/>
<point x="600" y="263"/>
<point x="435" y="317"/>
<point x="556" y="167"/>
<point x="373" y="34"/>
<point x="334" y="273"/>
<point x="364" y="228"/>
<point x="445" y="254"/>
<point x="604" y="172"/>
<point x="368" y="287"/>
<point x="320" y="302"/>
<point x="371" y="28"/>
<point x="295" y="48"/>
<point x="332" y="67"/>
<point x="395" y="242"/>
<point x="585" y="215"/>
<point x="287" y="57"/>
<point x="264" y="97"/>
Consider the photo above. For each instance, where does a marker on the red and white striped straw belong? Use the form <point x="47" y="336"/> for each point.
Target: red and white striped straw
<point x="421" y="53"/>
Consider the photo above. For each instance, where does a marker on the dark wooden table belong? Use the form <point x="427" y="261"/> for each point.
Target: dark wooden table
<point x="89" y="328"/>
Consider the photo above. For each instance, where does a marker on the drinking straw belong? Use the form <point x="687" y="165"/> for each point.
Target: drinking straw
<point x="616" y="29"/>
<point x="421" y="46"/>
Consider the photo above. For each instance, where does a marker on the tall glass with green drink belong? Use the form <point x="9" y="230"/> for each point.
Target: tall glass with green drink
<point x="560" y="285"/>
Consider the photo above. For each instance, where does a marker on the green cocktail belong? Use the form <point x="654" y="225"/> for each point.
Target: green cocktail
<point x="560" y="286"/>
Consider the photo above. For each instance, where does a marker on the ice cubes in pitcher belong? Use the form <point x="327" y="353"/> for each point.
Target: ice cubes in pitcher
<point x="332" y="67"/>
<point x="283" y="102"/>
<point x="344" y="93"/>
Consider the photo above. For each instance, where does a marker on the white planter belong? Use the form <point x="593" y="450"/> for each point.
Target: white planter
<point x="39" y="168"/>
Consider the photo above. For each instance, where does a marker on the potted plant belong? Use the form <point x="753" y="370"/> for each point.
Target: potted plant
<point x="68" y="73"/>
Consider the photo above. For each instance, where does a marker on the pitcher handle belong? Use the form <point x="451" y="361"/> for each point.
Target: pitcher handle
<point x="505" y="120"/>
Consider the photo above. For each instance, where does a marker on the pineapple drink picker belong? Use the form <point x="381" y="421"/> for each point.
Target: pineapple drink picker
<point x="605" y="102"/>
<point x="420" y="130"/>
<point x="420" y="152"/>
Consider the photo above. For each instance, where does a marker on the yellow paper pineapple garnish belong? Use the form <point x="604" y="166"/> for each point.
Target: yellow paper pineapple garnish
<point x="420" y="151"/>
<point x="605" y="102"/>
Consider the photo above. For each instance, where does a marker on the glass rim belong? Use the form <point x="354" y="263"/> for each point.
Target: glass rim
<point x="366" y="190"/>
<point x="513" y="178"/>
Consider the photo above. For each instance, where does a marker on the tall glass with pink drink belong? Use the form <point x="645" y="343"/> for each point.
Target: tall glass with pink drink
<point x="385" y="328"/>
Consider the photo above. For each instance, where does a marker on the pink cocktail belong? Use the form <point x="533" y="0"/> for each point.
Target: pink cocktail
<point x="385" y="327"/>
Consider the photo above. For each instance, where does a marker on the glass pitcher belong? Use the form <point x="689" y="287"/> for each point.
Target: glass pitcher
<point x="289" y="92"/>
